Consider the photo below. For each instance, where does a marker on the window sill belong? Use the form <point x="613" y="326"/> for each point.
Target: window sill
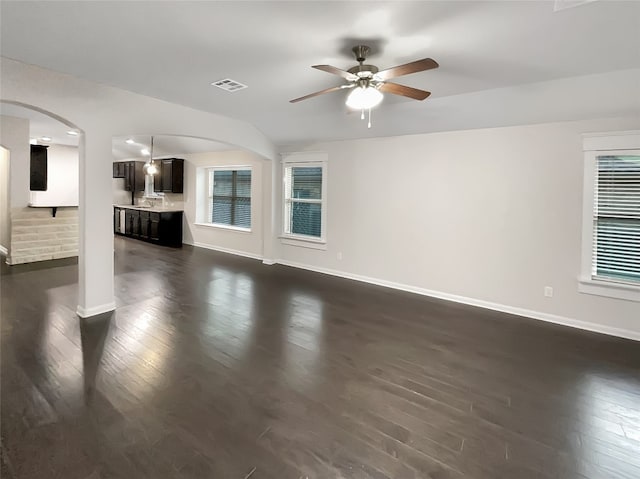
<point x="304" y="242"/>
<point x="237" y="229"/>
<point x="610" y="289"/>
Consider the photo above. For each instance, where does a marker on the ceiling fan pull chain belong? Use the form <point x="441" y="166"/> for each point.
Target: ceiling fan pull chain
<point x="369" y="125"/>
<point x="362" y="115"/>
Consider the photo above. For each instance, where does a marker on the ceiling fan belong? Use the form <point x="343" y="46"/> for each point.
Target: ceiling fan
<point x="368" y="82"/>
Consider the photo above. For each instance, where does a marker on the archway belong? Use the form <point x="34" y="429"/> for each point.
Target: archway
<point x="44" y="224"/>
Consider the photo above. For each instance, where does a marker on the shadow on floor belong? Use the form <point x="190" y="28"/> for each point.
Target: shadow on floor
<point x="93" y="333"/>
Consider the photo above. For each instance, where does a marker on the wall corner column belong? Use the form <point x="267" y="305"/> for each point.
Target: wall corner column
<point x="95" y="251"/>
<point x="270" y="230"/>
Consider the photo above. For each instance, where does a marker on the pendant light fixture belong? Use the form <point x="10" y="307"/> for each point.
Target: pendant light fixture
<point x="150" y="165"/>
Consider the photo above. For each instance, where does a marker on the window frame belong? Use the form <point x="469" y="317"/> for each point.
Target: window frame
<point x="595" y="145"/>
<point x="304" y="160"/>
<point x="209" y="175"/>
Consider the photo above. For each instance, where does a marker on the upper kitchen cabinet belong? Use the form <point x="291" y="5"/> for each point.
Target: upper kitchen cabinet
<point x="170" y="176"/>
<point x="38" y="169"/>
<point x="118" y="169"/>
<point x="132" y="172"/>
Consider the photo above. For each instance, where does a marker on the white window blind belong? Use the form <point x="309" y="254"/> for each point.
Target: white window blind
<point x="230" y="197"/>
<point x="616" y="227"/>
<point x="303" y="200"/>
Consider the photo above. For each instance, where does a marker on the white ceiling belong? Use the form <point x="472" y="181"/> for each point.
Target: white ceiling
<point x="41" y="125"/>
<point x="163" y="146"/>
<point x="487" y="50"/>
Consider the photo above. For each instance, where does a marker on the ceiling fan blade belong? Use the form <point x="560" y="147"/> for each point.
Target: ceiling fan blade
<point x="407" y="68"/>
<point x="321" y="92"/>
<point x="336" y="71"/>
<point x="403" y="90"/>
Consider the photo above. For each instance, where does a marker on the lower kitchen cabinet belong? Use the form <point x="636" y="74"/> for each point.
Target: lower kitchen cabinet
<point x="144" y="225"/>
<point x="133" y="220"/>
<point x="160" y="227"/>
<point x="154" y="227"/>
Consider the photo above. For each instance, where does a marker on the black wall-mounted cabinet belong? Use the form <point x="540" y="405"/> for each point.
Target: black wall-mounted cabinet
<point x="132" y="172"/>
<point x="170" y="176"/>
<point x="38" y="168"/>
<point x="160" y="227"/>
<point x="118" y="169"/>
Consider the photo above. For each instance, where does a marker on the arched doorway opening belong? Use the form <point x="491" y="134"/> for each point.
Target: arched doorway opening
<point x="41" y="198"/>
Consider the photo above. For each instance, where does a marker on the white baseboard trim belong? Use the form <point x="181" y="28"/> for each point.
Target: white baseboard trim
<point x="4" y="250"/>
<point x="227" y="250"/>
<point x="550" y="318"/>
<point x="88" y="312"/>
<point x="269" y="262"/>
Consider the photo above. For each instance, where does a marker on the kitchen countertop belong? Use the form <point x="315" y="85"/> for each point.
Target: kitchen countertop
<point x="154" y="209"/>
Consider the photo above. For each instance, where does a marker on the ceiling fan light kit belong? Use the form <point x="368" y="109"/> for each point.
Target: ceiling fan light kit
<point x="369" y="83"/>
<point x="364" y="97"/>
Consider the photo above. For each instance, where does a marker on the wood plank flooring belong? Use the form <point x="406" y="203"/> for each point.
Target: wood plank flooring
<point x="215" y="366"/>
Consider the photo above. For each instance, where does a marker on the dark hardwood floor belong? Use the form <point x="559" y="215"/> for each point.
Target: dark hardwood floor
<point x="215" y="366"/>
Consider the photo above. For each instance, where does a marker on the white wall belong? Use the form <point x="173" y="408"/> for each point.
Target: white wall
<point x="5" y="227"/>
<point x="488" y="214"/>
<point x="241" y="242"/>
<point x="491" y="216"/>
<point x="62" y="178"/>
<point x="14" y="136"/>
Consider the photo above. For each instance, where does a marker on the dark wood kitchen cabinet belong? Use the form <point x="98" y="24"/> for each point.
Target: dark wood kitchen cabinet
<point x="118" y="169"/>
<point x="38" y="168"/>
<point x="132" y="172"/>
<point x="132" y="222"/>
<point x="144" y="225"/>
<point x="160" y="227"/>
<point x="170" y="176"/>
<point x="134" y="176"/>
<point x="154" y="227"/>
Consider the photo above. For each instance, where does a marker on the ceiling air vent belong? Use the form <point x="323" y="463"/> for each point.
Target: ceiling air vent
<point x="229" y="85"/>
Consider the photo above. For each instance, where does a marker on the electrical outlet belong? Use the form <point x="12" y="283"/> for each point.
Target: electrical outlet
<point x="339" y="255"/>
<point x="548" y="291"/>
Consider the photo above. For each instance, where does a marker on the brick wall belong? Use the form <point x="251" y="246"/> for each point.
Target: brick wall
<point x="37" y="236"/>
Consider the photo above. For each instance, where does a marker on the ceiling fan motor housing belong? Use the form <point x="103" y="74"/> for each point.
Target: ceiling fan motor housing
<point x="364" y="71"/>
<point x="361" y="52"/>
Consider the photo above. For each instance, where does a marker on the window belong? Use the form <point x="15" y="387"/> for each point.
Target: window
<point x="611" y="236"/>
<point x="230" y="197"/>
<point x="304" y="201"/>
<point x="616" y="218"/>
